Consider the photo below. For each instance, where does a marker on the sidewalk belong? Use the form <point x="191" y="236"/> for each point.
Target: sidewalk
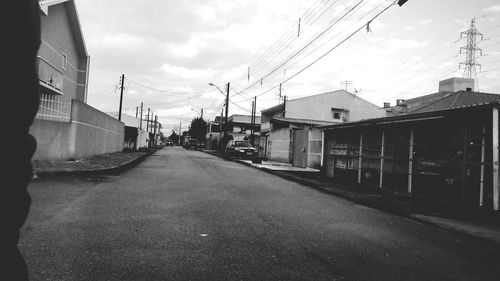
<point x="105" y="163"/>
<point x="484" y="225"/>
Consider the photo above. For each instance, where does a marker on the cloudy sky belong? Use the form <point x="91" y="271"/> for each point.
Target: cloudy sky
<point x="170" y="50"/>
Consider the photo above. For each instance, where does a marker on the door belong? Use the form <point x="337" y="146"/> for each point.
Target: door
<point x="300" y="143"/>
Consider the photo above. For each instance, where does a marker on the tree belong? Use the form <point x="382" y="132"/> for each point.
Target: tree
<point x="174" y="137"/>
<point x="198" y="129"/>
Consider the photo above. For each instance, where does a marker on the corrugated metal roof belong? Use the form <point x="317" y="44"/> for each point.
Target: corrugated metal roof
<point x="416" y="116"/>
<point x="456" y="100"/>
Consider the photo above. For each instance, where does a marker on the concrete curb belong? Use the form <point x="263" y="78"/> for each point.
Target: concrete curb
<point x="369" y="203"/>
<point x="108" y="170"/>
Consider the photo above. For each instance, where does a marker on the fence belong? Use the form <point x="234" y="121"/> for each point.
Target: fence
<point x="54" y="109"/>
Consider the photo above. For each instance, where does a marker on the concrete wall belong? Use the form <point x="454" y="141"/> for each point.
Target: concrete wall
<point x="54" y="141"/>
<point x="314" y="149"/>
<point x="319" y="107"/>
<point x="58" y="39"/>
<point x="279" y="145"/>
<point x="89" y="133"/>
<point x="142" y="139"/>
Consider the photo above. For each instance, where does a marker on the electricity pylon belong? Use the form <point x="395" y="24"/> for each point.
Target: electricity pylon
<point x="471" y="50"/>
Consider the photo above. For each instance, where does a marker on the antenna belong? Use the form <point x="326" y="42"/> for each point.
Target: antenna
<point x="346" y="83"/>
<point x="471" y="50"/>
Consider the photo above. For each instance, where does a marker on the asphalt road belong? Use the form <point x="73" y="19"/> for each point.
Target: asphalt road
<point x="187" y="215"/>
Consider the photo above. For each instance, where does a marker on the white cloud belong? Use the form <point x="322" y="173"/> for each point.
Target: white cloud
<point x="187" y="73"/>
<point x="426" y="22"/>
<point x="492" y="9"/>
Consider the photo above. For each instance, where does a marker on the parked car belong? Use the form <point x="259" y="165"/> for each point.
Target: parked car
<point x="240" y="149"/>
<point x="192" y="144"/>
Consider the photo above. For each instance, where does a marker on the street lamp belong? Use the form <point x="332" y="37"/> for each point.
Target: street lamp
<point x="201" y="113"/>
<point x="213" y="85"/>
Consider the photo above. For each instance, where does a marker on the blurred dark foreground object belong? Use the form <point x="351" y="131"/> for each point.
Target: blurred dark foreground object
<point x="20" y="42"/>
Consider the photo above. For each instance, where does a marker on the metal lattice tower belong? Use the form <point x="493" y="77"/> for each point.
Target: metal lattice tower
<point x="471" y="50"/>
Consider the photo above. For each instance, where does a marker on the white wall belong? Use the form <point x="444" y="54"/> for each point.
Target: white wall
<point x="319" y="107"/>
<point x="278" y="145"/>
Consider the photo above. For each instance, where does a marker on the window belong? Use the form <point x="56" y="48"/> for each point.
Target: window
<point x="340" y="114"/>
<point x="64" y="61"/>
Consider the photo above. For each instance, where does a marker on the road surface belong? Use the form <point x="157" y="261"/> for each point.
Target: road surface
<point x="187" y="215"/>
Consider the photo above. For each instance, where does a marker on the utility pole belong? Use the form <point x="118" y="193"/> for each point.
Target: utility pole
<point x="227" y="107"/>
<point x="202" y="113"/>
<point x="136" y="111"/>
<point x="121" y="97"/>
<point x="220" y="121"/>
<point x="284" y="106"/>
<point x="251" y="125"/>
<point x="151" y="121"/>
<point x="154" y="132"/>
<point x="140" y="124"/>
<point x="147" y="122"/>
<point x="254" y="113"/>
<point x="470" y="50"/>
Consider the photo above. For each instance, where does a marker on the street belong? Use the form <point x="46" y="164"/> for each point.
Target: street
<point x="188" y="215"/>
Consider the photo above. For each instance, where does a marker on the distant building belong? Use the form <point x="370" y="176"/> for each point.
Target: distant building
<point x="238" y="126"/>
<point x="289" y="131"/>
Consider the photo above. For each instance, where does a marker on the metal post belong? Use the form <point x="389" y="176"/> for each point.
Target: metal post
<point x="155" y="129"/>
<point x="410" y="161"/>
<point x="121" y="98"/>
<point x="140" y="124"/>
<point x="220" y="123"/>
<point x="334" y="163"/>
<point x="360" y="156"/>
<point x="495" y="159"/>
<point x="481" y="184"/>
<point x="382" y="154"/>
<point x="322" y="147"/>
<point x="464" y="165"/>
<point x="147" y="121"/>
<point x="227" y="107"/>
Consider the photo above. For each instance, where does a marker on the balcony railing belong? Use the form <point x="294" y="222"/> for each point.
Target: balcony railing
<point x="54" y="109"/>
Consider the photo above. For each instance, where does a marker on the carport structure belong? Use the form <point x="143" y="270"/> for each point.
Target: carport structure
<point x="449" y="154"/>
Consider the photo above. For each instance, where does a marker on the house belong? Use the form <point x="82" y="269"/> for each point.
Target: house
<point x="65" y="127"/>
<point x="63" y="61"/>
<point x="289" y="130"/>
<point x="442" y="146"/>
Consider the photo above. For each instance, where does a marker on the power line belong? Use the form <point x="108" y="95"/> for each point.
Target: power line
<point x="156" y="89"/>
<point x="279" y="41"/>
<point x="330" y="50"/>
<point x="307" y="45"/>
<point x="284" y="44"/>
<point x="304" y="56"/>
